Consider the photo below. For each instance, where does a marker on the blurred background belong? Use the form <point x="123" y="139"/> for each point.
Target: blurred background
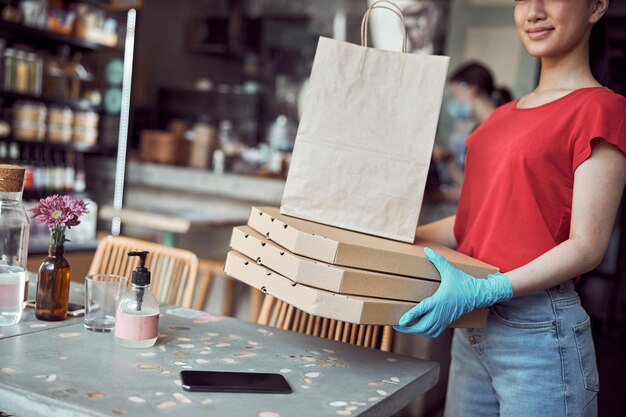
<point x="185" y="114"/>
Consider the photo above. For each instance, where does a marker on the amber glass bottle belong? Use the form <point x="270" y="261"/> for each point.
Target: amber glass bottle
<point x="53" y="287"/>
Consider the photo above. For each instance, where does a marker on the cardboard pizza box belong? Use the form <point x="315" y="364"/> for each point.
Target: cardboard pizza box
<point x="347" y="248"/>
<point x="341" y="280"/>
<point x="349" y="308"/>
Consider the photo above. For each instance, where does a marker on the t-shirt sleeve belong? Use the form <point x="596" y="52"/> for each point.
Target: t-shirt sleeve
<point x="603" y="118"/>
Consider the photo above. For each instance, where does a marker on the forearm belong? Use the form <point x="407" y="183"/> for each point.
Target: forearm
<point x="558" y="265"/>
<point x="598" y="185"/>
<point x="440" y="231"/>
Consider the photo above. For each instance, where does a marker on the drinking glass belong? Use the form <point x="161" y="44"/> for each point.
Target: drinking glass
<point x="102" y="294"/>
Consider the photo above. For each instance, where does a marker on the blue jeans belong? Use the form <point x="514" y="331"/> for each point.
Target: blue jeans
<point x="535" y="357"/>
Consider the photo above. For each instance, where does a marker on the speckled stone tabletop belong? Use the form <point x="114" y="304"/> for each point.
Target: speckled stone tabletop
<point x="69" y="371"/>
<point x="30" y="324"/>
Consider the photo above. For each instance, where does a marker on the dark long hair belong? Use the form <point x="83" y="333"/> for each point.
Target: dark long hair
<point x="598" y="52"/>
<point x="477" y="75"/>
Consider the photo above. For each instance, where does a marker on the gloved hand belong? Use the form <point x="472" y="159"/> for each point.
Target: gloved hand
<point x="458" y="293"/>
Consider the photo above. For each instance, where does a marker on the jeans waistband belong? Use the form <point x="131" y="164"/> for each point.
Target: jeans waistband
<point x="543" y="300"/>
<point x="563" y="291"/>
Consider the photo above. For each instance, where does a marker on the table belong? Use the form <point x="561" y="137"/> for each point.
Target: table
<point x="30" y="324"/>
<point x="69" y="371"/>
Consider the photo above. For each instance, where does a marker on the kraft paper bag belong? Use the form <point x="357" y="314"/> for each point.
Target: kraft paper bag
<point x="365" y="139"/>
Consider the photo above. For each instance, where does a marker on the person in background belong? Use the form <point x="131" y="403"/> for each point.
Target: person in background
<point x="544" y="176"/>
<point x="472" y="96"/>
<point x="473" y="93"/>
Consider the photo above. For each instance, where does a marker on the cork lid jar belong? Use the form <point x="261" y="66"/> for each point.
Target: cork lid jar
<point x="11" y="178"/>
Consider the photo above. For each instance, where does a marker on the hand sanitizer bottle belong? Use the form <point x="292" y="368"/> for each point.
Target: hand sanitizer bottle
<point x="137" y="317"/>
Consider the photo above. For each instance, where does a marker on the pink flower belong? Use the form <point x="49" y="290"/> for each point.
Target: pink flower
<point x="59" y="213"/>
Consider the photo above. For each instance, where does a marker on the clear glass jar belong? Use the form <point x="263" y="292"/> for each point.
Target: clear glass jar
<point x="14" y="230"/>
<point x="137" y="318"/>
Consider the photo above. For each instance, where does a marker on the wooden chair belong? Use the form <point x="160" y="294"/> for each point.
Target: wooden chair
<point x="277" y="313"/>
<point x="209" y="268"/>
<point x="174" y="271"/>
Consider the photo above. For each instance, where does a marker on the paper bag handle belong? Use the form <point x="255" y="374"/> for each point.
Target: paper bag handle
<point x="382" y="4"/>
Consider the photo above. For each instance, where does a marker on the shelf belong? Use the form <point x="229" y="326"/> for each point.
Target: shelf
<point x="63" y="146"/>
<point x="40" y="37"/>
<point x="73" y="104"/>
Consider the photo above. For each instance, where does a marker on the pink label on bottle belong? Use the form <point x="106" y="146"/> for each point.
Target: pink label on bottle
<point x="10" y="295"/>
<point x="134" y="327"/>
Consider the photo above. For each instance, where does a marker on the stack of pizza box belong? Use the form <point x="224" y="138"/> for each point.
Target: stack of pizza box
<point x="337" y="273"/>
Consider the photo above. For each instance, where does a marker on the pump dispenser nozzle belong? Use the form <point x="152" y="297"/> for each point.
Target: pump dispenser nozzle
<point x="141" y="275"/>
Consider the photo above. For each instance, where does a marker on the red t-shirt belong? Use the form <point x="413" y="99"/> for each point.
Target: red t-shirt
<point x="516" y="201"/>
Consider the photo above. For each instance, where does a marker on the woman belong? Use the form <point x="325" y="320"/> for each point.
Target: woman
<point x="472" y="95"/>
<point x="543" y="181"/>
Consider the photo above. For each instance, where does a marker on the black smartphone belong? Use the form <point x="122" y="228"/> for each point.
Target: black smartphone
<point x="74" y="310"/>
<point x="217" y="381"/>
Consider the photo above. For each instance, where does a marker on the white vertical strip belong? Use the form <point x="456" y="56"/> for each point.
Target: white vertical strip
<point x="122" y="142"/>
<point x="339" y="24"/>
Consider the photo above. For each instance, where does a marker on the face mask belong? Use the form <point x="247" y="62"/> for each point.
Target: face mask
<point x="458" y="109"/>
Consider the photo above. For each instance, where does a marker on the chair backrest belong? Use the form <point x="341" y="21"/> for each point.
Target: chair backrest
<point x="277" y="313"/>
<point x="174" y="271"/>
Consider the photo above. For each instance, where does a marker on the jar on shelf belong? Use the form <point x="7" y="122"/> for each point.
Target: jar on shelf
<point x="9" y="69"/>
<point x="85" y="136"/>
<point x="55" y="84"/>
<point x="86" y="119"/>
<point x="29" y="111"/>
<point x="60" y="124"/>
<point x="85" y="128"/>
<point x="31" y="131"/>
<point x="21" y="72"/>
<point x="29" y="121"/>
<point x="35" y="73"/>
<point x="60" y="133"/>
<point x="58" y="115"/>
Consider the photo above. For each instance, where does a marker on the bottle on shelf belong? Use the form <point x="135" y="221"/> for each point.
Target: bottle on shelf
<point x="2" y="49"/>
<point x="48" y="172"/>
<point x="27" y="163"/>
<point x="5" y="120"/>
<point x="4" y="153"/>
<point x="38" y="173"/>
<point x="14" y="152"/>
<point x="80" y="178"/>
<point x="36" y="74"/>
<point x="59" y="173"/>
<point x="21" y="72"/>
<point x="70" y="177"/>
<point x="9" y="69"/>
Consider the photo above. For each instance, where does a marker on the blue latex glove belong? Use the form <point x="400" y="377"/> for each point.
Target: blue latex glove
<point x="458" y="293"/>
